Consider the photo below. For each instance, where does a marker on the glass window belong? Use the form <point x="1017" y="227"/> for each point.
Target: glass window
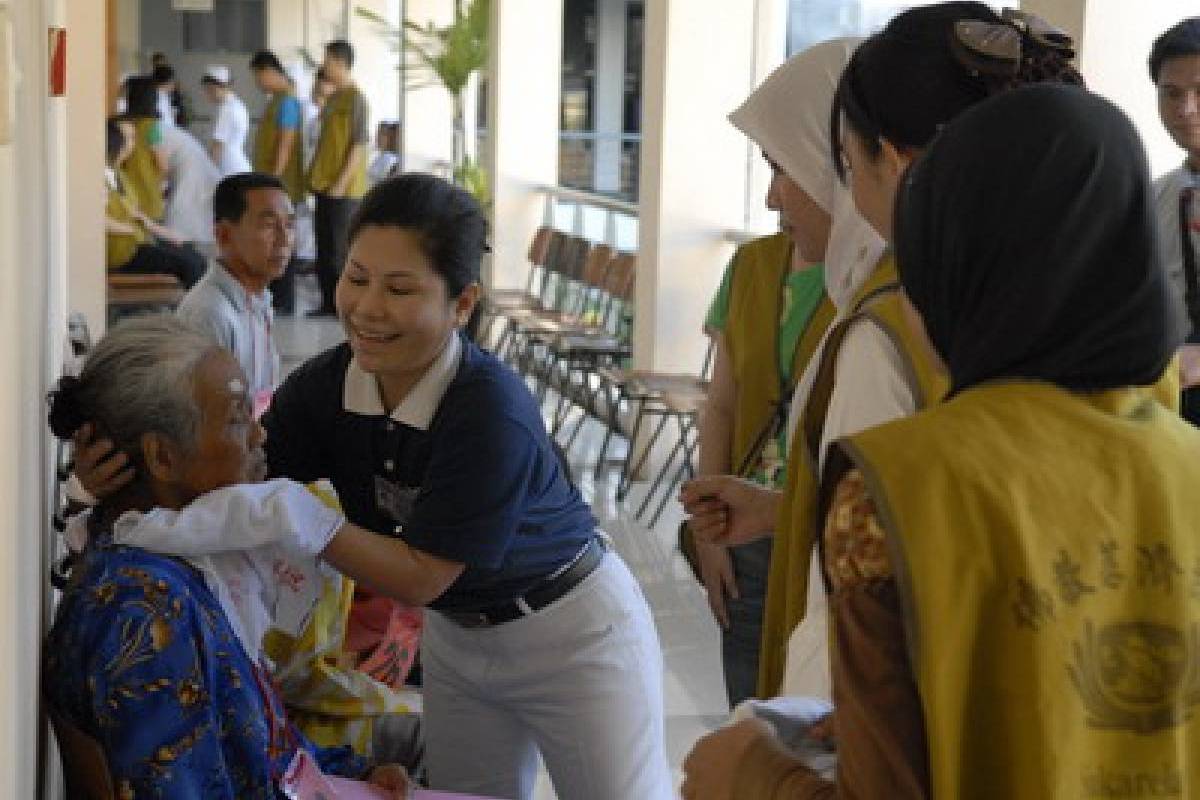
<point x="812" y="21"/>
<point x="233" y="26"/>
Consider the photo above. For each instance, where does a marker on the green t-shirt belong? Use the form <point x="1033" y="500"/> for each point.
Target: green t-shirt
<point x="802" y="293"/>
<point x="154" y="136"/>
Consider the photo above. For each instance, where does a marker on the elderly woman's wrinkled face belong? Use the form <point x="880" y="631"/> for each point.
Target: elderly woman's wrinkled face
<point x="229" y="441"/>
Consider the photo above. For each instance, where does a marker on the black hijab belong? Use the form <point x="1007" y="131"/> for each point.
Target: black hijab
<point x="1025" y="236"/>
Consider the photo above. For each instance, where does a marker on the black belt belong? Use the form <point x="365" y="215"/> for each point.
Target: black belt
<point x="536" y="598"/>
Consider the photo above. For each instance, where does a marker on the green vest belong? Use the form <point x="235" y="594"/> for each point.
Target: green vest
<point x="120" y="247"/>
<point x="141" y="173"/>
<point x="266" y="143"/>
<point x="797" y="526"/>
<point x="760" y="268"/>
<point x="1045" y="545"/>
<point x="334" y="144"/>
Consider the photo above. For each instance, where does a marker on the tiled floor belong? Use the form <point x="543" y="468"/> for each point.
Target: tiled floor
<point x="694" y="691"/>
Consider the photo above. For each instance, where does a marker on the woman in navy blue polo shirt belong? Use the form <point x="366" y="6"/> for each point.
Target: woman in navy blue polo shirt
<point x="539" y="638"/>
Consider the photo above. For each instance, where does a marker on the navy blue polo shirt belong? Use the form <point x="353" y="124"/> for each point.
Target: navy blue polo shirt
<point x="480" y="486"/>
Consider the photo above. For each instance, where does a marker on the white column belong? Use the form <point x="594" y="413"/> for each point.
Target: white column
<point x="428" y="111"/>
<point x="84" y="115"/>
<point x="376" y="61"/>
<point x="525" y="83"/>
<point x="1114" y="38"/>
<point x="31" y="247"/>
<point x="129" y="36"/>
<point x="699" y="65"/>
<point x="608" y="94"/>
<point x="770" y="36"/>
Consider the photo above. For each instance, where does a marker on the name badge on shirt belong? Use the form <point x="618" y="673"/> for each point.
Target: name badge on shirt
<point x="396" y="500"/>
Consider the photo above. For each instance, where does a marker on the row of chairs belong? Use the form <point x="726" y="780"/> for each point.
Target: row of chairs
<point x="569" y="331"/>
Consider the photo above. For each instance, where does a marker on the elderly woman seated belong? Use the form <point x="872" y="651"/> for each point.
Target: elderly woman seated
<point x="149" y="654"/>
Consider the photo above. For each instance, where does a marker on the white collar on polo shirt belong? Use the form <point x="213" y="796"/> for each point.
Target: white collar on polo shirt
<point x="361" y="392"/>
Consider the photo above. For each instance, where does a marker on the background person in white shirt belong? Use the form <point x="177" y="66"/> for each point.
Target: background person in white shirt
<point x="231" y="123"/>
<point x="1175" y="70"/>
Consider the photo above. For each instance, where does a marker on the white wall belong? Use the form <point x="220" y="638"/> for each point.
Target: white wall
<point x="770" y="50"/>
<point x="1115" y="37"/>
<point x="428" y="112"/>
<point x="129" y="34"/>
<point x="32" y="250"/>
<point x="84" y="119"/>
<point x="524" y="81"/>
<point x="699" y="66"/>
<point x="376" y="62"/>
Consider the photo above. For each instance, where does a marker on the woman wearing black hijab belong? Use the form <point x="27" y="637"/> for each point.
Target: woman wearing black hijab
<point x="1019" y="567"/>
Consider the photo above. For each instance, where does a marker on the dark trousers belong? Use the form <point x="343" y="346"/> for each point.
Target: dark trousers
<point x="332" y="222"/>
<point x="1189" y="406"/>
<point x="165" y="258"/>
<point x="742" y="640"/>
<point x="283" y="290"/>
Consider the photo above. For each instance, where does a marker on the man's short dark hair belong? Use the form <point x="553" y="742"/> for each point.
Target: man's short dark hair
<point x="341" y="50"/>
<point x="163" y="74"/>
<point x="229" y="198"/>
<point x="1182" y="40"/>
<point x="265" y="59"/>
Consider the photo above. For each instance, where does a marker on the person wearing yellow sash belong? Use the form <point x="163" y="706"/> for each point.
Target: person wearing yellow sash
<point x="278" y="150"/>
<point x="1016" y="572"/>
<point x="767" y="320"/>
<point x="337" y="175"/>
<point x="145" y="171"/>
<point x="899" y="88"/>
<point x="134" y="244"/>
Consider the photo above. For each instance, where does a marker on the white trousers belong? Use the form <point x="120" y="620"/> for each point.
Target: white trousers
<point x="579" y="682"/>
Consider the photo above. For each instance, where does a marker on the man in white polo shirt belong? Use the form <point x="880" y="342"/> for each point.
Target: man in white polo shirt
<point x="231" y="121"/>
<point x="254" y="225"/>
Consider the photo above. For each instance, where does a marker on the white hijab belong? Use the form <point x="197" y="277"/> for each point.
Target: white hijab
<point x="788" y="117"/>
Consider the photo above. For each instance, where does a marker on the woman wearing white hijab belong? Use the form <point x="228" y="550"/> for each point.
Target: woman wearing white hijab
<point x="788" y="118"/>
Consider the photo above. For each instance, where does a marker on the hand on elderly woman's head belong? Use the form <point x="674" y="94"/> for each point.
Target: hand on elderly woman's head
<point x="101" y="469"/>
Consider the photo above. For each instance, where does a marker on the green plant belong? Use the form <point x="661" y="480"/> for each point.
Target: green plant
<point x="445" y="56"/>
<point x="472" y="177"/>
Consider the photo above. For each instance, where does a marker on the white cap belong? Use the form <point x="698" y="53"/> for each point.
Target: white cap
<point x="218" y="73"/>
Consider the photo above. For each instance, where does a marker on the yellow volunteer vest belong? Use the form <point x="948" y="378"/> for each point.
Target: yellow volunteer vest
<point x="1046" y="549"/>
<point x="334" y="143"/>
<point x="755" y="303"/>
<point x="119" y="247"/>
<point x="142" y="175"/>
<point x="1167" y="390"/>
<point x="266" y="143"/>
<point x="787" y="585"/>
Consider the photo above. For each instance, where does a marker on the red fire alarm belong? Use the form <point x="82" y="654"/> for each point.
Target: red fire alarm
<point x="58" y="62"/>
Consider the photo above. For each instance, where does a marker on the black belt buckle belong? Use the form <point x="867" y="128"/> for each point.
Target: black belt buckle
<point x="469" y="619"/>
<point x="537" y="598"/>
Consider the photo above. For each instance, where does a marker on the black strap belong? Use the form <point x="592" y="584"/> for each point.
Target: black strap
<point x="1191" y="281"/>
<point x="770" y="429"/>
